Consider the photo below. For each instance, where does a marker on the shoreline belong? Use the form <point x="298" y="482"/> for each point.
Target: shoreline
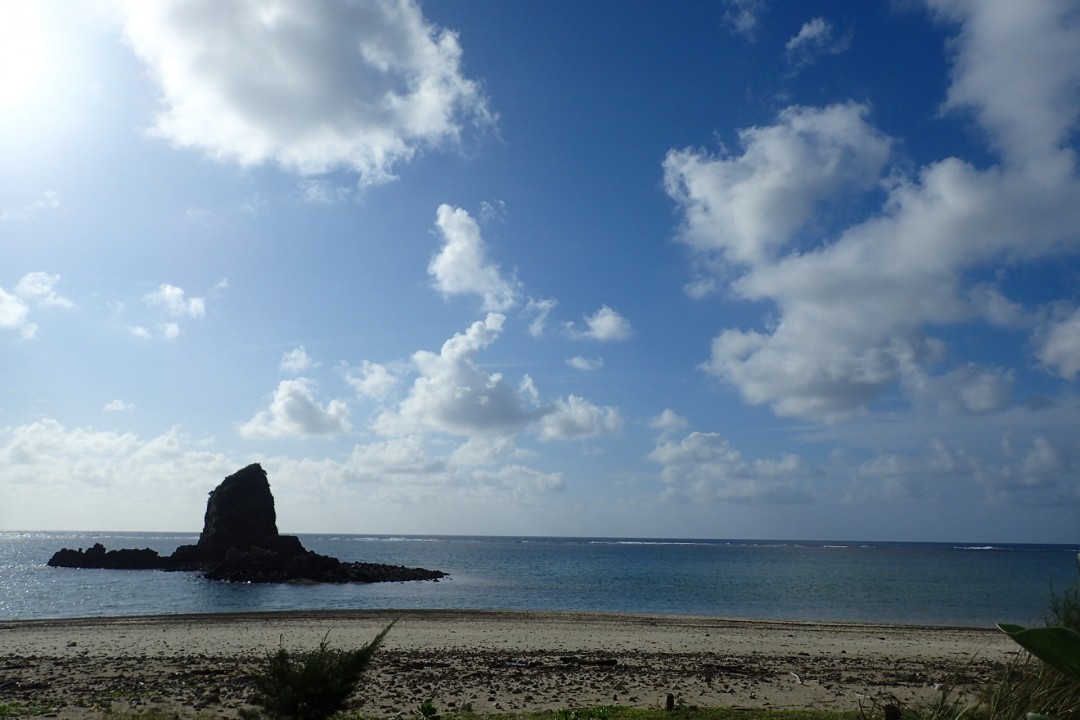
<point x="493" y="661"/>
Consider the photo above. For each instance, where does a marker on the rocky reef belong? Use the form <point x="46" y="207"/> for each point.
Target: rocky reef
<point x="240" y="543"/>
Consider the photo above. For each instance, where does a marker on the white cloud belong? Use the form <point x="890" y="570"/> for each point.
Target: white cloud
<point x="1042" y="471"/>
<point x="372" y="380"/>
<point x="118" y="405"/>
<point x="297" y="361"/>
<point x="541" y="310"/>
<point x="1017" y="67"/>
<point x="668" y="420"/>
<point x="38" y="286"/>
<point x="483" y="451"/>
<point x="14" y="314"/>
<point x="853" y="309"/>
<point x="749" y="207"/>
<point x="1059" y="346"/>
<point x="461" y="265"/>
<point x="451" y="394"/>
<point x="814" y="39"/>
<point x="294" y="412"/>
<point x="605" y="325"/>
<point x="575" y="418"/>
<point x="706" y="467"/>
<point x="173" y="302"/>
<point x="108" y="479"/>
<point x="969" y="388"/>
<point x="310" y="86"/>
<point x="743" y="16"/>
<point x="585" y="364"/>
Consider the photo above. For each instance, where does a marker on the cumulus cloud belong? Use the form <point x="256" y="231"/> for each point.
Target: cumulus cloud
<point x="118" y="405"/>
<point x="748" y="207"/>
<point x="1059" y="346"/>
<point x="14" y="313"/>
<point x="707" y="467"/>
<point x="969" y="389"/>
<point x="585" y="364"/>
<point x="1017" y="68"/>
<point x="297" y="361"/>
<point x="605" y="325"/>
<point x="310" y="86"/>
<point x="854" y="308"/>
<point x="34" y="287"/>
<point x="123" y="480"/>
<point x="575" y="418"/>
<point x="295" y="412"/>
<point x="452" y="394"/>
<point x="461" y="265"/>
<point x="38" y="286"/>
<point x="814" y="39"/>
<point x="372" y="380"/>
<point x="173" y="302"/>
<point x="668" y="420"/>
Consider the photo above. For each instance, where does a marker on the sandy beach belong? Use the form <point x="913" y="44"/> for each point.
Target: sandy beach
<point x="492" y="661"/>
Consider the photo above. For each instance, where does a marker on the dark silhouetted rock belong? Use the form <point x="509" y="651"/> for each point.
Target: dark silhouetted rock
<point x="98" y="557"/>
<point x="240" y="543"/>
<point x="240" y="516"/>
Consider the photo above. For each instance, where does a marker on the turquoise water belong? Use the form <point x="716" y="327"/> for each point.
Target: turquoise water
<point x="915" y="583"/>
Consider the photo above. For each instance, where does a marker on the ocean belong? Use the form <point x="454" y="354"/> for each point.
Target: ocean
<point x="970" y="585"/>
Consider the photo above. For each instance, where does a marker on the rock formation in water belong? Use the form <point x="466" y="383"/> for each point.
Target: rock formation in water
<point x="240" y="543"/>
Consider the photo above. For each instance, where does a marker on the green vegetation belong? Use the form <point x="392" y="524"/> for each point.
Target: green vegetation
<point x="427" y="711"/>
<point x="312" y="685"/>
<point x="1046" y="683"/>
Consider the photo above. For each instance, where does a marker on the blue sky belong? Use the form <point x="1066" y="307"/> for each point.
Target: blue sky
<point x="741" y="269"/>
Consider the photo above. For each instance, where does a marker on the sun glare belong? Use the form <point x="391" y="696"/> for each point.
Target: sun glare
<point x="22" y="50"/>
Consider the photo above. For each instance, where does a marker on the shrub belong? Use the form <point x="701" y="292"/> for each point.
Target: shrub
<point x="312" y="685"/>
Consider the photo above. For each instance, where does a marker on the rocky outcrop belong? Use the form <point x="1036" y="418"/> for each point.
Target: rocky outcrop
<point x="98" y="557"/>
<point x="240" y="519"/>
<point x="240" y="543"/>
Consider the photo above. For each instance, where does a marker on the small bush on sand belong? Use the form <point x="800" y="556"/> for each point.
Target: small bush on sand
<point x="312" y="685"/>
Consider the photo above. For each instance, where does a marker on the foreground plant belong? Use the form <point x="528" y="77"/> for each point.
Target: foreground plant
<point x="1051" y="687"/>
<point x="312" y="685"/>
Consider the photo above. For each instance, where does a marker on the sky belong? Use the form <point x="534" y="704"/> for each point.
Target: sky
<point x="729" y="269"/>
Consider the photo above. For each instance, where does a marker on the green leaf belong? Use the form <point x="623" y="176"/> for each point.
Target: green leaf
<point x="1058" y="647"/>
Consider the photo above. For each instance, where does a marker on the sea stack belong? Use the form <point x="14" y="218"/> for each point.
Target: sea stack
<point x="240" y="542"/>
<point x="240" y="517"/>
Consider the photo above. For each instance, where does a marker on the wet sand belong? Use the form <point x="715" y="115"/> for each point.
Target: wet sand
<point x="492" y="661"/>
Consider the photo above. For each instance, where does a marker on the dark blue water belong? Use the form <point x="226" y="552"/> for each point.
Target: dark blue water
<point x="917" y="583"/>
